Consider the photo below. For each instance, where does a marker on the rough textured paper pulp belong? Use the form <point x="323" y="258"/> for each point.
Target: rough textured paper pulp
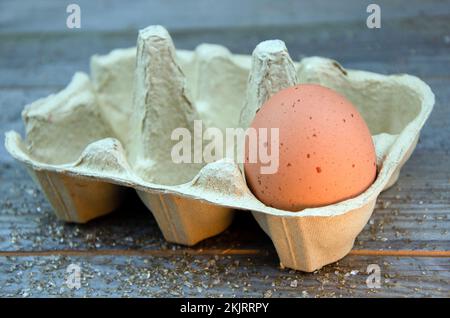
<point x="109" y="131"/>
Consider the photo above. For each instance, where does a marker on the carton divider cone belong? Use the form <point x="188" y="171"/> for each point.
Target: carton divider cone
<point x="86" y="144"/>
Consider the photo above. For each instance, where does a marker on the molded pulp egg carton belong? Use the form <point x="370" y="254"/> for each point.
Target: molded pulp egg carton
<point x="111" y="130"/>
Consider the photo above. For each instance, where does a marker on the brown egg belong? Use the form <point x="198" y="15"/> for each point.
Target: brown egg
<point x="326" y="153"/>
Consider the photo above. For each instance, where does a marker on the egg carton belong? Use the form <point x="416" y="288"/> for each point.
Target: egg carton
<point x="111" y="130"/>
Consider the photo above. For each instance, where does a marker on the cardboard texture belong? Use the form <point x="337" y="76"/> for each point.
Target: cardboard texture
<point x="111" y="131"/>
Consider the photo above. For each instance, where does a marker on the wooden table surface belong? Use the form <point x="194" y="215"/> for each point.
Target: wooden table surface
<point x="124" y="253"/>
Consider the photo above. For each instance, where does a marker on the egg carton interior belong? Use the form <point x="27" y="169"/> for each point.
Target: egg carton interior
<point x="112" y="130"/>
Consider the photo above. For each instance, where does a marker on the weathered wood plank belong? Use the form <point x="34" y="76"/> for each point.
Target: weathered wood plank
<point x="220" y="276"/>
<point x="50" y="15"/>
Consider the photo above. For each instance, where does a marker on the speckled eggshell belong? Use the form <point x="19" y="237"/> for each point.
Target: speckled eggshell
<point x="326" y="153"/>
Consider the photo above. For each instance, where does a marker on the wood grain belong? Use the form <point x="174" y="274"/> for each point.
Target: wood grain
<point x="124" y="253"/>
